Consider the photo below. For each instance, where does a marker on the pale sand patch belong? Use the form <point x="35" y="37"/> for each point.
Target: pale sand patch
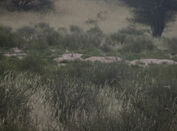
<point x="15" y="52"/>
<point x="104" y="59"/>
<point x="110" y="59"/>
<point x="152" y="61"/>
<point x="69" y="57"/>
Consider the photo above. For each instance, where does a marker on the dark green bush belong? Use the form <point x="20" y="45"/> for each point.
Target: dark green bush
<point x="116" y="38"/>
<point x="77" y="41"/>
<point x="172" y="45"/>
<point x="32" y="63"/>
<point x="123" y="35"/>
<point x="132" y="30"/>
<point x="138" y="45"/>
<point x="8" y="39"/>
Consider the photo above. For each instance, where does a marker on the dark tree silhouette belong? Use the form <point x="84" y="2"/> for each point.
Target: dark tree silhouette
<point x="32" y="4"/>
<point x="154" y="13"/>
<point x="26" y="5"/>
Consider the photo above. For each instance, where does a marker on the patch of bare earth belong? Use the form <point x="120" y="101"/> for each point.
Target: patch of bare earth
<point x="69" y="57"/>
<point x="110" y="59"/>
<point x="104" y="59"/>
<point x="146" y="62"/>
<point x="15" y="52"/>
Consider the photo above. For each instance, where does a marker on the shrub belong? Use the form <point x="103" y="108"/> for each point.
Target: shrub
<point x="123" y="35"/>
<point x="33" y="63"/>
<point x="8" y="39"/>
<point x="116" y="38"/>
<point x="138" y="45"/>
<point x="76" y="41"/>
<point x="172" y="45"/>
<point x="26" y="32"/>
<point x="132" y="30"/>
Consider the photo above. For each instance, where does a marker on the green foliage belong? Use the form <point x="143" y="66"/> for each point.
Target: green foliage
<point x="138" y="45"/>
<point x="172" y="45"/>
<point x="42" y="35"/>
<point x="32" y="63"/>
<point x="121" y="36"/>
<point x="8" y="39"/>
<point x="78" y="40"/>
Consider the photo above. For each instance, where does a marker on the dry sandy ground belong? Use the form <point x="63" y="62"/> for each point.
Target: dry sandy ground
<point x="104" y="59"/>
<point x="110" y="59"/>
<point x="77" y="12"/>
<point x="15" y="52"/>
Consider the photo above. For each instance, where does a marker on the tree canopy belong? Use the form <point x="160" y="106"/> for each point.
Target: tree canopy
<point x="27" y="5"/>
<point x="154" y="13"/>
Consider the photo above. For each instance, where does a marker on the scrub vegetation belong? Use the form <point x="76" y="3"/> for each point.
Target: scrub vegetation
<point x="75" y="79"/>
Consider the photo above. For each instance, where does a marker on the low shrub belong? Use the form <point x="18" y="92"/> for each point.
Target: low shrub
<point x="32" y="63"/>
<point x="138" y="45"/>
<point x="172" y="45"/>
<point x="8" y="38"/>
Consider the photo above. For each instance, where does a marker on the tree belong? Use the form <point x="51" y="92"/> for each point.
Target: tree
<point x="26" y="5"/>
<point x="154" y="13"/>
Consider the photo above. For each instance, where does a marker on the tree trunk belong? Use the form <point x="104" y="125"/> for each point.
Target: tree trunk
<point x="158" y="23"/>
<point x="157" y="29"/>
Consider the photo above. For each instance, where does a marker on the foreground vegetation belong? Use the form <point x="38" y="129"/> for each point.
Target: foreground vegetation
<point x="37" y="94"/>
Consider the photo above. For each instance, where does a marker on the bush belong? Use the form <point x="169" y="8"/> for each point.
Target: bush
<point x="132" y="30"/>
<point x="116" y="38"/>
<point x="77" y="41"/>
<point x="138" y="45"/>
<point x="32" y="63"/>
<point x="172" y="45"/>
<point x="123" y="35"/>
<point x="8" y="39"/>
